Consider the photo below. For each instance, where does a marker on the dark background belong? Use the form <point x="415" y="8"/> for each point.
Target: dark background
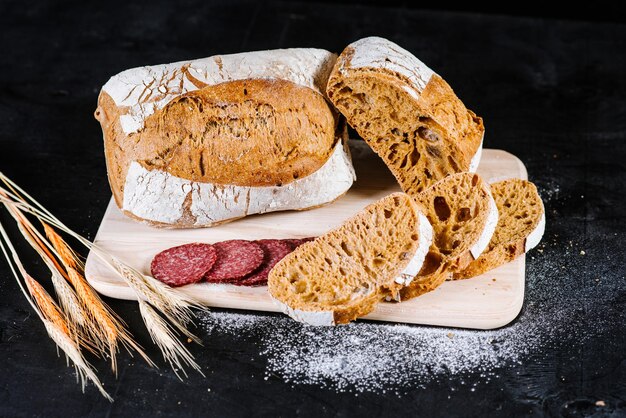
<point x="550" y="87"/>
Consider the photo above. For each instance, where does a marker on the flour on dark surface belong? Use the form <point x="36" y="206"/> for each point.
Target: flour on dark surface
<point x="393" y="358"/>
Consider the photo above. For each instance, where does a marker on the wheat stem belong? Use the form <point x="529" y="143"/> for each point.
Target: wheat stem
<point x="93" y="338"/>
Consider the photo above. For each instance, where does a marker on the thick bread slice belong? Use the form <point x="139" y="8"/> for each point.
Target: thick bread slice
<point x="197" y="143"/>
<point x="342" y="274"/>
<point x="408" y="114"/>
<point x="521" y="225"/>
<point x="463" y="215"/>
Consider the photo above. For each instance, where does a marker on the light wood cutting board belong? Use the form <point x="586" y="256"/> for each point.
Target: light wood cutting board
<point x="485" y="302"/>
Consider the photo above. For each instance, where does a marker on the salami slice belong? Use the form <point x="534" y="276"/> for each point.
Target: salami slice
<point x="275" y="250"/>
<point x="235" y="259"/>
<point x="296" y="242"/>
<point x="184" y="264"/>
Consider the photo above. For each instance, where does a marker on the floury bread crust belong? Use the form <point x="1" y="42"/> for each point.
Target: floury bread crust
<point x="408" y="114"/>
<point x="144" y="90"/>
<point x="342" y="274"/>
<point x="209" y="140"/>
<point x="164" y="200"/>
<point x="463" y="215"/>
<point x="520" y="227"/>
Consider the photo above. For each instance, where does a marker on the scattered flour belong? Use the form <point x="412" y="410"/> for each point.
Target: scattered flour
<point x="381" y="357"/>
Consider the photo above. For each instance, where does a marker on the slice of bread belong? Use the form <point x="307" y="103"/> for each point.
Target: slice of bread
<point x="342" y="274"/>
<point x="463" y="215"/>
<point x="408" y="114"/>
<point x="520" y="227"/>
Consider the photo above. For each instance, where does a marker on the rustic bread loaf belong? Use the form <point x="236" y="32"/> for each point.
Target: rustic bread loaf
<point x="521" y="224"/>
<point x="196" y="143"/>
<point x="408" y="114"/>
<point x="463" y="215"/>
<point x="342" y="274"/>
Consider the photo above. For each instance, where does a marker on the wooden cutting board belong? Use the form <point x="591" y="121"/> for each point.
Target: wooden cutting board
<point x="485" y="302"/>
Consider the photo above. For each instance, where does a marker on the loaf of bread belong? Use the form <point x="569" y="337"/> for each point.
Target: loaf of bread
<point x="197" y="143"/>
<point x="463" y="215"/>
<point x="342" y="274"/>
<point x="408" y="114"/>
<point x="520" y="227"/>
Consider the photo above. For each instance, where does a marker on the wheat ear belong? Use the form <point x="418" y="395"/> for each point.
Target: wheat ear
<point x="111" y="328"/>
<point x="71" y="350"/>
<point x="103" y="328"/>
<point x="69" y="302"/>
<point x="55" y="326"/>
<point x="174" y="352"/>
<point x="174" y="305"/>
<point x="66" y="254"/>
<point x="48" y="308"/>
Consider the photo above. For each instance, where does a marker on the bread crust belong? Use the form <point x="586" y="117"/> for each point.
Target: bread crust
<point x="163" y="200"/>
<point x="199" y="143"/>
<point x="189" y="224"/>
<point x="247" y="133"/>
<point x="408" y="114"/>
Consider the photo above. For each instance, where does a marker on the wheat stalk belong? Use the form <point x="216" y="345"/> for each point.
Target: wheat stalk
<point x="50" y="315"/>
<point x="152" y="290"/>
<point x="68" y="300"/>
<point x="103" y="328"/>
<point x="174" y="352"/>
<point x="175" y="306"/>
<point x="64" y="292"/>
<point x="74" y="311"/>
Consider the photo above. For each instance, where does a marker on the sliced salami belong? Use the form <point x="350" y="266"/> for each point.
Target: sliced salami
<point x="296" y="242"/>
<point x="275" y="250"/>
<point x="235" y="259"/>
<point x="185" y="264"/>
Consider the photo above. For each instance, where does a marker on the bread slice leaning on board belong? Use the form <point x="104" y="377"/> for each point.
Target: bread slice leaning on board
<point x="463" y="215"/>
<point x="198" y="143"/>
<point x="342" y="274"/>
<point x="521" y="225"/>
<point x="408" y="114"/>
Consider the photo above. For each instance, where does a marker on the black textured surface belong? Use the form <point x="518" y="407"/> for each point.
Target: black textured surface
<point x="552" y="92"/>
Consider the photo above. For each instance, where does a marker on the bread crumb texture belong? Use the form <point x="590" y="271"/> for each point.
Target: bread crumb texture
<point x="458" y="208"/>
<point x="347" y="270"/>
<point x="520" y="213"/>
<point x="408" y="114"/>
